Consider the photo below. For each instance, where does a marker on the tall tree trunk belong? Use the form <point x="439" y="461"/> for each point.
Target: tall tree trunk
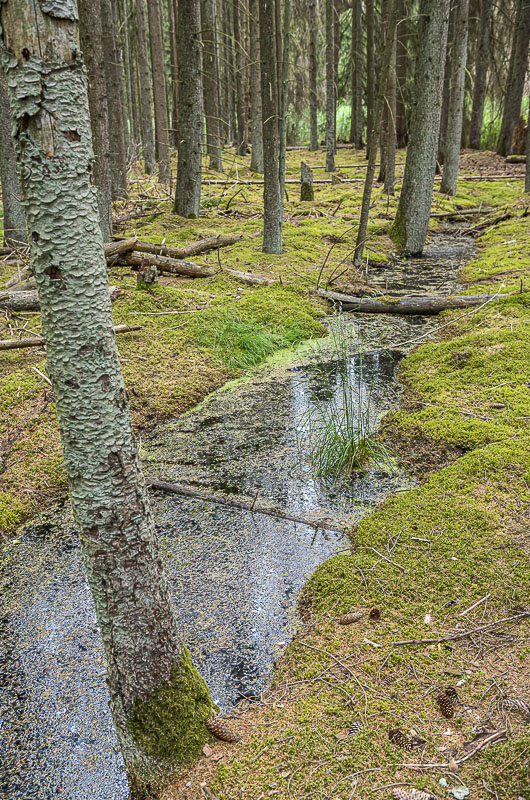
<point x="409" y="229"/>
<point x="114" y="80"/>
<point x="357" y="69"/>
<point x="516" y="77"/>
<point x="256" y="162"/>
<point x="158" y="700"/>
<point x="402" y="59"/>
<point x="210" y="64"/>
<point x="240" y="17"/>
<point x="229" y="82"/>
<point x="370" y="72"/>
<point x="188" y="192"/>
<point x="122" y="76"/>
<point x="390" y="119"/>
<point x="446" y="90"/>
<point x="92" y="44"/>
<point x="453" y="137"/>
<point x="313" y="70"/>
<point x="481" y="74"/>
<point x="272" y="201"/>
<point x="527" y="170"/>
<point x="146" y="92"/>
<point x="14" y="217"/>
<point x="173" y="72"/>
<point x="158" y="63"/>
<point x="286" y="46"/>
<point x="331" y="112"/>
<point x="131" y="60"/>
<point x="388" y="51"/>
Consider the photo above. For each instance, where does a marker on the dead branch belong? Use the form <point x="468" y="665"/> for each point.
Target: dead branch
<point x="250" y="278"/>
<point x="166" y="264"/>
<point x="38" y="341"/>
<point x="29" y="301"/>
<point x="405" y="305"/>
<point x="520" y="615"/>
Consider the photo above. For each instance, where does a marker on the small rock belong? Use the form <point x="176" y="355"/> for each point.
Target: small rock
<point x="207" y="751"/>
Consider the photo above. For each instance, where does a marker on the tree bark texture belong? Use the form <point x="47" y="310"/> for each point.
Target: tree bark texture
<point x="272" y="202"/>
<point x="173" y="71"/>
<point x="446" y="86"/>
<point x="407" y="305"/>
<point x="370" y="71"/>
<point x="286" y="46"/>
<point x="241" y="116"/>
<point x="409" y="229"/>
<point x="356" y="121"/>
<point x="188" y="192"/>
<point x="480" y="74"/>
<point x="131" y="60"/>
<point x="158" y="65"/>
<point x="256" y="129"/>
<point x="331" y="112"/>
<point x="158" y="701"/>
<point x="402" y="62"/>
<point x="313" y="69"/>
<point x="516" y="77"/>
<point x="229" y="81"/>
<point x="114" y="81"/>
<point x="453" y="135"/>
<point x="146" y="91"/>
<point x="92" y="43"/>
<point x="14" y="218"/>
<point x="210" y="63"/>
<point x="527" y="168"/>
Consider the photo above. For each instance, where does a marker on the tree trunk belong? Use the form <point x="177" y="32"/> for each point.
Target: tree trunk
<point x="114" y="81"/>
<point x="14" y="218"/>
<point x="402" y="60"/>
<point x="370" y="72"/>
<point x="357" y="69"/>
<point x="286" y="45"/>
<point x="146" y="92"/>
<point x="331" y="112"/>
<point x="256" y="162"/>
<point x="240" y="17"/>
<point x="313" y="70"/>
<point x="516" y="77"/>
<point x="446" y="87"/>
<point x="409" y="229"/>
<point x="129" y="106"/>
<point x="188" y="192"/>
<point x="481" y="74"/>
<point x="387" y="168"/>
<point x="272" y="201"/>
<point x="229" y="81"/>
<point x="527" y="169"/>
<point x="173" y="72"/>
<point x="129" y="23"/>
<point x="407" y="305"/>
<point x="210" y="64"/>
<point x="158" y="63"/>
<point x="122" y="77"/>
<point x="158" y="700"/>
<point x="453" y="136"/>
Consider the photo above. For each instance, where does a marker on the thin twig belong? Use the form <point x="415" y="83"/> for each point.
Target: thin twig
<point x="521" y="615"/>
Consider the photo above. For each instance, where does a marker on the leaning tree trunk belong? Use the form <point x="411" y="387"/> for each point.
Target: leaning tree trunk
<point x="188" y="192"/>
<point x="356" y="121"/>
<point x="241" y="116"/>
<point x="158" y="63"/>
<point x="256" y="129"/>
<point x="331" y="112"/>
<point x="272" y="201"/>
<point x="92" y="44"/>
<point x="313" y="69"/>
<point x="481" y="74"/>
<point x="158" y="700"/>
<point x="453" y="136"/>
<point x="409" y="229"/>
<point x="114" y="81"/>
<point x="211" y="83"/>
<point x="516" y="77"/>
<point x="14" y="217"/>
<point x="146" y="92"/>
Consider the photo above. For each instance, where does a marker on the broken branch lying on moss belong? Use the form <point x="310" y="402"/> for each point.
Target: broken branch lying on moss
<point x="252" y="280"/>
<point x="406" y="305"/>
<point x="29" y="301"/>
<point x="38" y="341"/>
<point x="211" y="243"/>
<point x="165" y="264"/>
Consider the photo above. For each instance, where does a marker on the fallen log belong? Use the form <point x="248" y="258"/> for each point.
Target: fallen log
<point x="121" y="246"/>
<point x="29" y="301"/>
<point x="468" y="212"/>
<point x="407" y="305"/>
<point x="242" y="505"/>
<point x="212" y="243"/>
<point x="250" y="278"/>
<point x="38" y="341"/>
<point x="166" y="264"/>
<point x="23" y="275"/>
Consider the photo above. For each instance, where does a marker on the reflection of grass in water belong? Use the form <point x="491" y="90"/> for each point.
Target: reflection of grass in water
<point x="339" y="430"/>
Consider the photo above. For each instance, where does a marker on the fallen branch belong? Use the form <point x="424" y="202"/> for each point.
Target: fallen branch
<point x="465" y="634"/>
<point x="468" y="212"/>
<point x="212" y="243"/>
<point x="405" y="305"/>
<point x="242" y="505"/>
<point x="38" y="341"/>
<point x="253" y="280"/>
<point x="166" y="264"/>
<point x="121" y="246"/>
<point x="496" y="736"/>
<point x="29" y="301"/>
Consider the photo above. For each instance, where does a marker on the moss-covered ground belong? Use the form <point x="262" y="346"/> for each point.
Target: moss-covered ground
<point x="422" y="559"/>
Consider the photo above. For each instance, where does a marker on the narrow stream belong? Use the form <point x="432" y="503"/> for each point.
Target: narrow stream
<point x="234" y="576"/>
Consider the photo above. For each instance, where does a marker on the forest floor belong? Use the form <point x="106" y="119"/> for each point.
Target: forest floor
<point x="422" y="559"/>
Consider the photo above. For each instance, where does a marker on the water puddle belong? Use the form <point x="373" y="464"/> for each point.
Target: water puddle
<point x="234" y="576"/>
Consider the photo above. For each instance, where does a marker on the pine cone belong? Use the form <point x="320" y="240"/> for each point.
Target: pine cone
<point x="517" y="705"/>
<point x="445" y="704"/>
<point x="220" y="730"/>
<point x="355" y="727"/>
<point x="451" y="693"/>
<point x="398" y="738"/>
<point x="375" y="614"/>
<point x="401" y="793"/>
<point x="351" y="616"/>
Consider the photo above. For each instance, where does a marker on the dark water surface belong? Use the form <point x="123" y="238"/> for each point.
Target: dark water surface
<point x="234" y="576"/>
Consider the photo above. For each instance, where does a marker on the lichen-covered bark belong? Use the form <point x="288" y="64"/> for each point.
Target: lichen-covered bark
<point x="256" y="130"/>
<point x="272" y="205"/>
<point x="210" y="63"/>
<point x="480" y="74"/>
<point x="188" y="192"/>
<point x="146" y="93"/>
<point x="313" y="69"/>
<point x="453" y="135"/>
<point x="158" y="72"/>
<point x="516" y="77"/>
<point x="330" y="87"/>
<point x="14" y="217"/>
<point x="409" y="229"/>
<point x="148" y="669"/>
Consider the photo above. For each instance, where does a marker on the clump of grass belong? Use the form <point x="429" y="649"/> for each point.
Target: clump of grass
<point x="338" y="429"/>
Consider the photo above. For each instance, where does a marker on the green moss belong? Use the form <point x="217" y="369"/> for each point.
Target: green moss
<point x="170" y="727"/>
<point x="12" y="511"/>
<point x="398" y="230"/>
